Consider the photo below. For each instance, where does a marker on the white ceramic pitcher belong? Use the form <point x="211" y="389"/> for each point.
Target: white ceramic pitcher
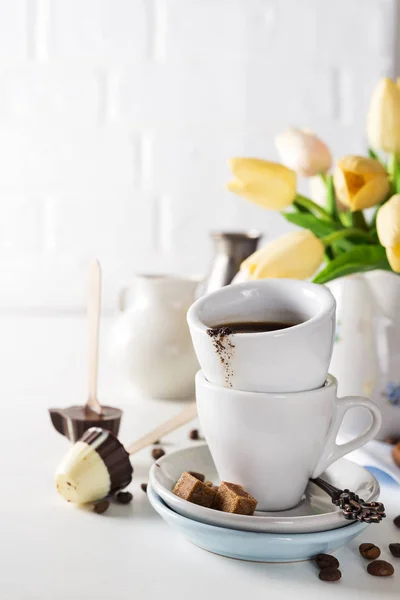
<point x="366" y="354"/>
<point x="150" y="341"/>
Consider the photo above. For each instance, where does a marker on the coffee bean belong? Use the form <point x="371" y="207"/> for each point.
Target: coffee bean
<point x="198" y="476"/>
<point x="330" y="574"/>
<point x="396" y="521"/>
<point x="380" y="568"/>
<point x="144" y="486"/>
<point x="209" y="484"/>
<point x="124" y="497"/>
<point x="157" y="453"/>
<point x="326" y="560"/>
<point x="392" y="440"/>
<point x="369" y="551"/>
<point x="194" y="434"/>
<point x="395" y="550"/>
<point x="101" y="507"/>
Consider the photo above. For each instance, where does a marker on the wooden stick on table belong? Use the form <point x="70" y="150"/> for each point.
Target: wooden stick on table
<point x="186" y="415"/>
<point x="93" y="313"/>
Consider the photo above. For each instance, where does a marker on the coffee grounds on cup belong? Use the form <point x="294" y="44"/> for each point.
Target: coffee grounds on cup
<point x="224" y="348"/>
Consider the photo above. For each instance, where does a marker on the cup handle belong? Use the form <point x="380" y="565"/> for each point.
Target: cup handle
<point x="333" y="451"/>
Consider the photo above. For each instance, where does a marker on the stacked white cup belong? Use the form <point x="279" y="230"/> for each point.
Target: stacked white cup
<point x="269" y="410"/>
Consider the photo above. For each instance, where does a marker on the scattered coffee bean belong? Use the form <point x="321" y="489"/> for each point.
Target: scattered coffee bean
<point x="101" y="507"/>
<point x="330" y="574"/>
<point x="380" y="568"/>
<point x="392" y="440"/>
<point x="369" y="551"/>
<point x="198" y="476"/>
<point x="396" y="521"/>
<point x="124" y="497"/>
<point x="395" y="550"/>
<point x="144" y="487"/>
<point x="157" y="453"/>
<point x="326" y="560"/>
<point x="194" y="434"/>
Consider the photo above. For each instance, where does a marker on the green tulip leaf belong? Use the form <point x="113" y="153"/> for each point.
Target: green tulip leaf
<point x="345" y="218"/>
<point x="372" y="154"/>
<point x="299" y="208"/>
<point x="398" y="179"/>
<point x="356" y="260"/>
<point x="311" y="222"/>
<point x="330" y="197"/>
<point x="375" y="156"/>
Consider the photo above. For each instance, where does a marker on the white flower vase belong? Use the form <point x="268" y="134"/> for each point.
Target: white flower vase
<point x="366" y="354"/>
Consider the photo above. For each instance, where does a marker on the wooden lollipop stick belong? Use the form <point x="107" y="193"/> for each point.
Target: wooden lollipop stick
<point x="93" y="313"/>
<point x="187" y="414"/>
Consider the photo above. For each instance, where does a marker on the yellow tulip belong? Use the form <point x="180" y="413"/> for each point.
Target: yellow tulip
<point x="393" y="256"/>
<point x="360" y="182"/>
<point x="303" y="151"/>
<point x="267" y="184"/>
<point x="388" y="228"/>
<point x="296" y="255"/>
<point x="383" y="121"/>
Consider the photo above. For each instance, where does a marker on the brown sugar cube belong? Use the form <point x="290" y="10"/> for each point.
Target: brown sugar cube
<point x="197" y="475"/>
<point x="193" y="490"/>
<point x="233" y="498"/>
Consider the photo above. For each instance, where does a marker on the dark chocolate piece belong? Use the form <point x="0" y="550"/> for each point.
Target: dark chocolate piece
<point x="144" y="487"/>
<point x="194" y="434"/>
<point x="75" y="420"/>
<point x="113" y="454"/>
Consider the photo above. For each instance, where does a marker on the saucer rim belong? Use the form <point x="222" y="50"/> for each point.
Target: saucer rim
<point x="284" y="537"/>
<point x="281" y="521"/>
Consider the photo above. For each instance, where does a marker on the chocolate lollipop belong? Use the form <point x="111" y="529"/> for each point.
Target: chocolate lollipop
<point x="75" y="420"/>
<point x="98" y="465"/>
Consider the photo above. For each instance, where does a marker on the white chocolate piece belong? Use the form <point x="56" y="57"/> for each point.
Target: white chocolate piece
<point x="82" y="476"/>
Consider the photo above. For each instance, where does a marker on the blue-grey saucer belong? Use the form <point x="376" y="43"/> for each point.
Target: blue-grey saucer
<point x="259" y="547"/>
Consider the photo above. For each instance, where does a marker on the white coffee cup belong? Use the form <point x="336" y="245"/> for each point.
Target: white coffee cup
<point x="285" y="360"/>
<point x="272" y="444"/>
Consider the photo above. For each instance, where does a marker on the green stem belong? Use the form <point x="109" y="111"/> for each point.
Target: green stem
<point x="358" y="220"/>
<point x="330" y="196"/>
<point x="313" y="207"/>
<point x="323" y="177"/>
<point x="344" y="233"/>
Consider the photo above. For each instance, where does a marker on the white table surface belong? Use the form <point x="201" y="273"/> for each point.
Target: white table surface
<point x="53" y="551"/>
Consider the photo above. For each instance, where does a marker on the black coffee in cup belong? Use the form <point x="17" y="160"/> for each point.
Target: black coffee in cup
<point x="253" y="326"/>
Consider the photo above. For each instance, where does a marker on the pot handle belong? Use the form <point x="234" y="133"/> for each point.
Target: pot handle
<point x="122" y="298"/>
<point x="332" y="450"/>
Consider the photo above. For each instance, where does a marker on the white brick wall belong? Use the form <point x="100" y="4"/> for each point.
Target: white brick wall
<point x="117" y="118"/>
